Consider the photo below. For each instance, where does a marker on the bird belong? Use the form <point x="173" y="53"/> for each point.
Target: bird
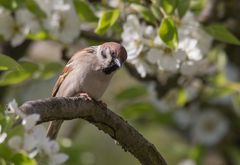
<point x="87" y="74"/>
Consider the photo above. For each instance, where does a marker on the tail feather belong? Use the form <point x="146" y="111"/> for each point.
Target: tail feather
<point x="53" y="129"/>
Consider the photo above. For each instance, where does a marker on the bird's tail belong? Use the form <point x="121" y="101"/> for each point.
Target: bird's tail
<point x="53" y="129"/>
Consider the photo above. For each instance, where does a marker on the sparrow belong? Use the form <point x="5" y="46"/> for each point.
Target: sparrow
<point x="88" y="74"/>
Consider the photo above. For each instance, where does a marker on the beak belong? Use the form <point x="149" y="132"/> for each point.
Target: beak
<point x="117" y="62"/>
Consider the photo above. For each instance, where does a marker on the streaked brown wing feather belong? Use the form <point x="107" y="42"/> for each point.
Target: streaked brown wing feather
<point x="67" y="69"/>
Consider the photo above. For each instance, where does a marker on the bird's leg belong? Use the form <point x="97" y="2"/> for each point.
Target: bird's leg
<point x="85" y="96"/>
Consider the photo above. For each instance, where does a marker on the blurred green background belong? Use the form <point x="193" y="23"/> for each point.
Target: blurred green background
<point x="179" y="87"/>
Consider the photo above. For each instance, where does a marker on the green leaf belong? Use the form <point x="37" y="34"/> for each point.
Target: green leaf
<point x="156" y="12"/>
<point x="11" y="4"/>
<point x="219" y="32"/>
<point x="137" y="110"/>
<point x="107" y="20"/>
<point x="29" y="67"/>
<point x="23" y="159"/>
<point x="13" y="77"/>
<point x="34" y="8"/>
<point x="168" y="32"/>
<point x="234" y="154"/>
<point x="197" y="6"/>
<point x="5" y="151"/>
<point x="7" y="63"/>
<point x="84" y="11"/>
<point x="145" y="12"/>
<point x="2" y="161"/>
<point x="182" y="7"/>
<point x="236" y="103"/>
<point x="131" y="93"/>
<point x="197" y="153"/>
<point x="50" y="69"/>
<point x="18" y="76"/>
<point x="38" y="36"/>
<point x="169" y="5"/>
<point x="1" y="38"/>
<point x="182" y="97"/>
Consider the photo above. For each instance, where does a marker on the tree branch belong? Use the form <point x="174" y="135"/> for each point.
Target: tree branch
<point x="91" y="35"/>
<point x="60" y="108"/>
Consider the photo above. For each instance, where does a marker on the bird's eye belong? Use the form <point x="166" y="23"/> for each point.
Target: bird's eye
<point x="112" y="53"/>
<point x="103" y="53"/>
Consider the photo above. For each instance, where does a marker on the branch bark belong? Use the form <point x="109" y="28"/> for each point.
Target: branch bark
<point x="60" y="108"/>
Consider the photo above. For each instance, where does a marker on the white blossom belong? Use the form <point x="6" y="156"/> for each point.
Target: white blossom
<point x="190" y="47"/>
<point x="17" y="39"/>
<point x="46" y="50"/>
<point x="132" y="37"/>
<point x="29" y="142"/>
<point x="191" y="34"/>
<point x="49" y="6"/>
<point x="6" y="24"/>
<point x="26" y="143"/>
<point x="27" y="21"/>
<point x="113" y="3"/>
<point x="35" y="140"/>
<point x="164" y="104"/>
<point x="141" y="66"/>
<point x="191" y="68"/>
<point x="12" y="108"/>
<point x="15" y="143"/>
<point x="58" y="159"/>
<point x="187" y="162"/>
<point x="51" y="149"/>
<point x="3" y="135"/>
<point x="186" y="55"/>
<point x="166" y="60"/>
<point x="149" y="31"/>
<point x="64" y="25"/>
<point x="193" y="89"/>
<point x="62" y="21"/>
<point x="209" y="128"/>
<point x="183" y="118"/>
<point x="9" y="28"/>
<point x="30" y="121"/>
<point x="16" y="28"/>
<point x="187" y="58"/>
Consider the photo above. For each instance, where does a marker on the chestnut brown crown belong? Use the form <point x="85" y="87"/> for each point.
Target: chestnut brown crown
<point x="116" y="50"/>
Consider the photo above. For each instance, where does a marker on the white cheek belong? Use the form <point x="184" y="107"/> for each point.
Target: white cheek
<point x="108" y="53"/>
<point x="98" y="51"/>
<point x="104" y="62"/>
<point x="109" y="58"/>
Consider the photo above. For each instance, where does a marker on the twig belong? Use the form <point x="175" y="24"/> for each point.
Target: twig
<point x="91" y="35"/>
<point x="130" y="139"/>
<point x="209" y="12"/>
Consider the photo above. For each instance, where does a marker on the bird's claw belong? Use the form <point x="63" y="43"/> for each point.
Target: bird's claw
<point x="85" y="96"/>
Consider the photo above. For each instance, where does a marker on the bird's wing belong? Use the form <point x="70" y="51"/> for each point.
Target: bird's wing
<point x="67" y="69"/>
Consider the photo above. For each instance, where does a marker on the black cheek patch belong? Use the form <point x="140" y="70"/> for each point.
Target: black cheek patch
<point x="103" y="53"/>
<point x="111" y="68"/>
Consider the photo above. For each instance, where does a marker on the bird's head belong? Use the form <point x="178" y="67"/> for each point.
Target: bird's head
<point x="112" y="55"/>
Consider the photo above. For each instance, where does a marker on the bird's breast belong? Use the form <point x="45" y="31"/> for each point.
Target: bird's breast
<point x="95" y="83"/>
<point x="84" y="79"/>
